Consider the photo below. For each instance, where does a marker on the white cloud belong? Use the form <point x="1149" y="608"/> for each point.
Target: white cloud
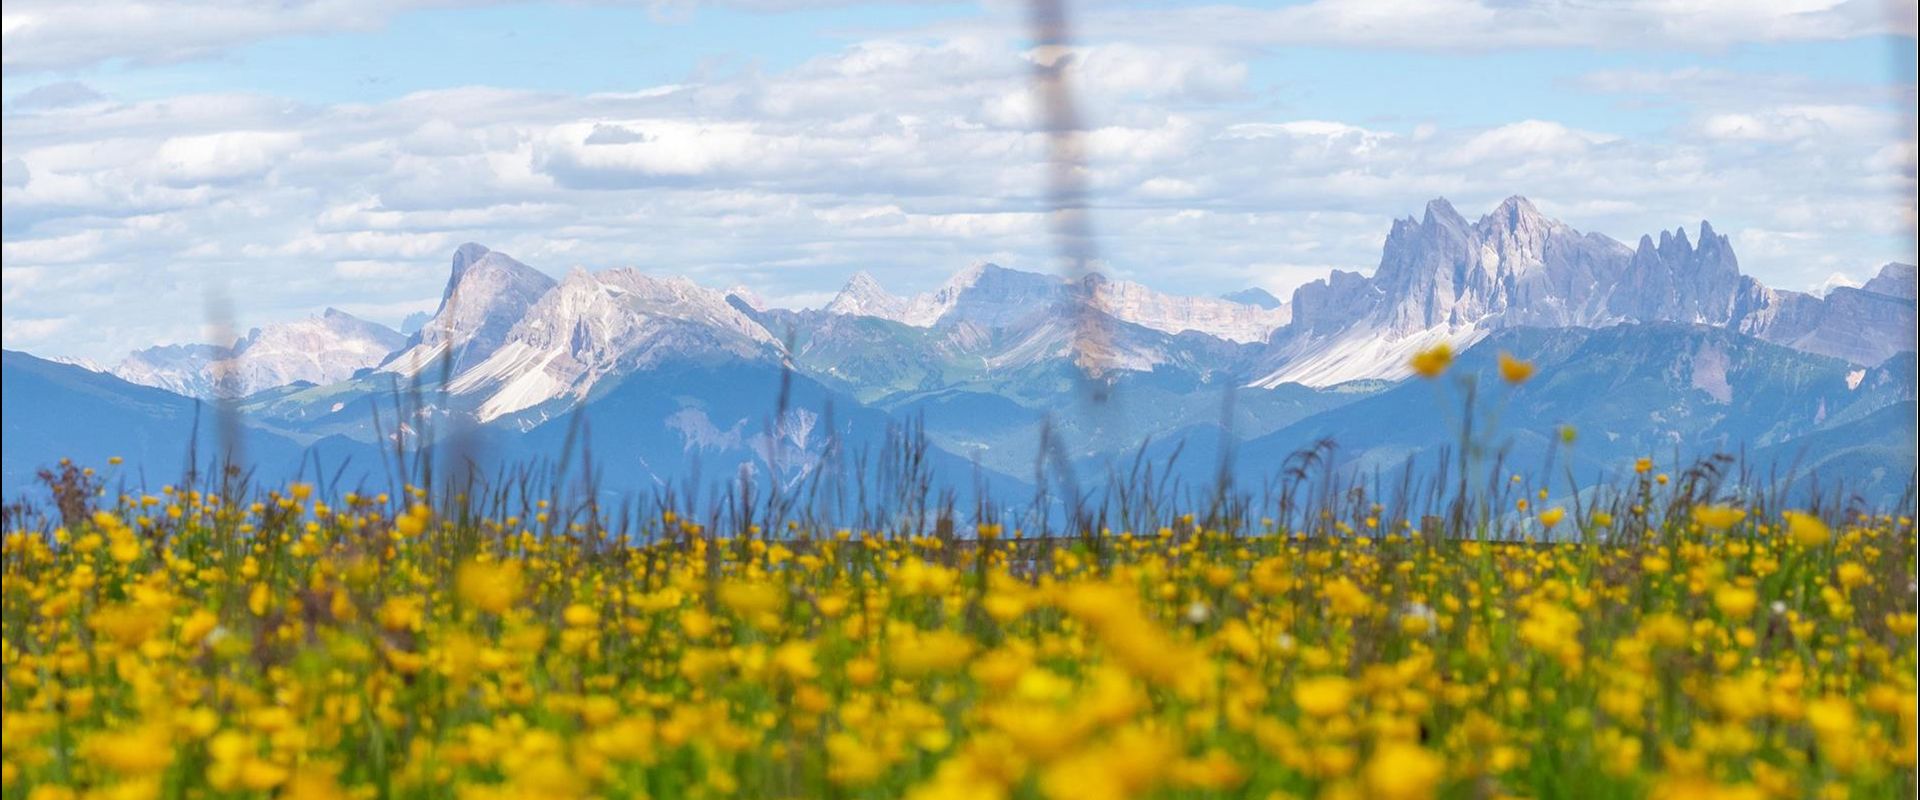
<point x="1481" y="25"/>
<point x="1524" y="140"/>
<point x="55" y="34"/>
<point x="910" y="158"/>
<point x="72" y="248"/>
<point x="186" y="161"/>
<point x="1791" y="123"/>
<point x="59" y="35"/>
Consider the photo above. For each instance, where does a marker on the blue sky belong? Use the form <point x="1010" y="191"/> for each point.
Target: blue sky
<point x="333" y="152"/>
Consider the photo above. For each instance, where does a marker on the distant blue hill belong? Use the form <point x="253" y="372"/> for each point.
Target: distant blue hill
<point x="53" y="411"/>
<point x="695" y="428"/>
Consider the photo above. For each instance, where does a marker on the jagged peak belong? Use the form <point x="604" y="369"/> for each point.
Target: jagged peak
<point x="470" y="258"/>
<point x="991" y="274"/>
<point x="862" y="295"/>
<point x="1516" y="206"/>
<point x="464" y="257"/>
<point x="1440" y="211"/>
<point x="473" y="259"/>
<point x="634" y="279"/>
<point x="1515" y="213"/>
<point x="1895" y="279"/>
<point x="969" y="275"/>
<point x="863" y="282"/>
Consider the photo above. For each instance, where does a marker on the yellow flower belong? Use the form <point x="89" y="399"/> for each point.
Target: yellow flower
<point x="1552" y="516"/>
<point x="852" y="763"/>
<point x="138" y="751"/>
<point x="580" y="615"/>
<point x="1643" y="465"/>
<point x="260" y="775"/>
<point x="1806" y="529"/>
<point x="1553" y="629"/>
<point x="1831" y="717"/>
<point x="1433" y="361"/>
<point x="1513" y="370"/>
<point x="414" y="522"/>
<point x="1851" y="575"/>
<point x="750" y="598"/>
<point x="795" y="660"/>
<point x="129" y="625"/>
<point x="1718" y="518"/>
<point x="1347" y="599"/>
<point x="492" y="587"/>
<point x="1323" y="696"/>
<point x="1735" y="601"/>
<point x="917" y="654"/>
<point x="1402" y="771"/>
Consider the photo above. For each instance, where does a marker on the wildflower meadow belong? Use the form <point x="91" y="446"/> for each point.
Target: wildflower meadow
<point x="1650" y="640"/>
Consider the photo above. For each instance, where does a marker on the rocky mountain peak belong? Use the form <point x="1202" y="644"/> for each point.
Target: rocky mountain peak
<point x="1678" y="282"/>
<point x="1894" y="280"/>
<point x="487" y="293"/>
<point x="1514" y="213"/>
<point x="466" y="254"/>
<point x="1441" y="213"/>
<point x="598" y="325"/>
<point x="324" y="348"/>
<point x="863" y="296"/>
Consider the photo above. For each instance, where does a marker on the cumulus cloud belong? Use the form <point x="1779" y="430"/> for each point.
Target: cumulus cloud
<point x="54" y="34"/>
<point x="1480" y="25"/>
<point x="1791" y="123"/>
<point x="909" y="157"/>
<point x="46" y="35"/>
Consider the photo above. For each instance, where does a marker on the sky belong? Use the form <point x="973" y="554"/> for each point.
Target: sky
<point x="163" y="157"/>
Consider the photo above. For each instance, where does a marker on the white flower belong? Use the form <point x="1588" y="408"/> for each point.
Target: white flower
<point x="1198" y="613"/>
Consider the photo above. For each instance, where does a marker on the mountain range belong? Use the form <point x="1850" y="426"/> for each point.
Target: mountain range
<point x="1663" y="345"/>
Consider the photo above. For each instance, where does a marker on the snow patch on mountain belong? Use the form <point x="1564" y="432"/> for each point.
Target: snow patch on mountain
<point x="1362" y="355"/>
<point x="1835" y="281"/>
